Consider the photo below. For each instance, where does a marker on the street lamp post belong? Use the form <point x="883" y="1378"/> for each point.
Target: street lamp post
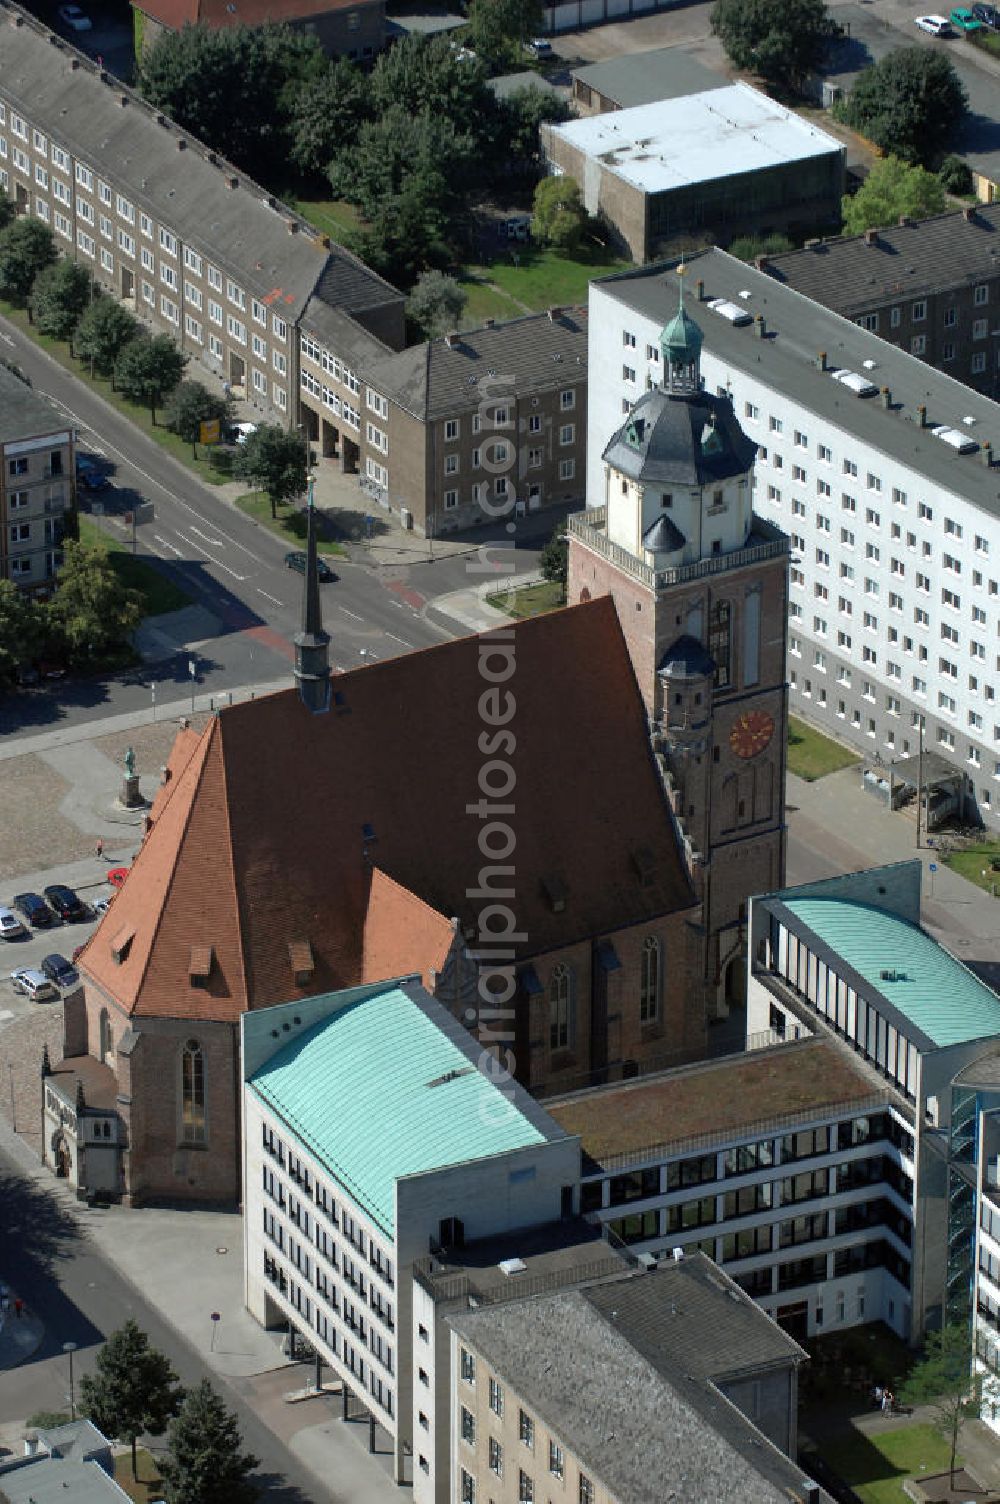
<point x="70" y="1349"/>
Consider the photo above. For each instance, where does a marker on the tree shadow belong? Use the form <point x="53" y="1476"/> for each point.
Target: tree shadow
<point x="38" y="1228"/>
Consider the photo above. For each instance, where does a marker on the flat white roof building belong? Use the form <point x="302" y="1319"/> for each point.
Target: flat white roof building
<point x="721" y="157"/>
<point x="880" y="470"/>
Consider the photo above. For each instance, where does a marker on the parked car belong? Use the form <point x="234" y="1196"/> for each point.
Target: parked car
<point x="73" y="17"/>
<point x="965" y="20"/>
<point x="64" y="902"/>
<point x="32" y="985"/>
<point x="11" y="927"/>
<point x="297" y="560"/>
<point x="34" y="909"/>
<point x="240" y="432"/>
<point x="90" y="475"/>
<point x="59" y="970"/>
<point x="936" y="26"/>
<point x="988" y="15"/>
<point x="540" y="47"/>
<point x="103" y="905"/>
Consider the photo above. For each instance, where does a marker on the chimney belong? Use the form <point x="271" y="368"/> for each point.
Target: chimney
<point x="554" y="313"/>
<point x="761" y="263"/>
<point x="922" y="415"/>
<point x="323" y="241"/>
<point x="810" y="245"/>
<point x="969" y="213"/>
<point x="181" y="144"/>
<point x="74" y="64"/>
<point x="987" y="454"/>
<point x="905" y="221"/>
<point x="232" y="183"/>
<point x="292" y="226"/>
<point x="123" y="100"/>
<point x="211" y="157"/>
<point x="821" y="360"/>
<point x="760" y="327"/>
<point x="451" y="339"/>
<point x="489" y="323"/>
<point x="161" y="119"/>
<point x="871" y="237"/>
<point x="886" y="398"/>
<point x="699" y="290"/>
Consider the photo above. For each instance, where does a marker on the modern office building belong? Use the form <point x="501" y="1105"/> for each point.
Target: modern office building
<point x="37" y="469"/>
<point x="929" y="286"/>
<point x="881" y="470"/>
<point x="719" y="162"/>
<point x="789" y="1166"/>
<point x="847" y="960"/>
<point x="651" y="1386"/>
<point x="376" y="1129"/>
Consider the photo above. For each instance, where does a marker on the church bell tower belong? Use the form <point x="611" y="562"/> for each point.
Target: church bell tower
<point x="701" y="587"/>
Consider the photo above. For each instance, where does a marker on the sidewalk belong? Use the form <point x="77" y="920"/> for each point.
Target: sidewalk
<point x="845" y="829"/>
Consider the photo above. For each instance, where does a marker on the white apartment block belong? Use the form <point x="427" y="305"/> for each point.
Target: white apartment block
<point x="880" y="470"/>
<point x="984" y="1081"/>
<point x="375" y="1135"/>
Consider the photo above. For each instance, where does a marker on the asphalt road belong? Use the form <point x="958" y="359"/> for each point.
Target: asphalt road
<point x="80" y="1297"/>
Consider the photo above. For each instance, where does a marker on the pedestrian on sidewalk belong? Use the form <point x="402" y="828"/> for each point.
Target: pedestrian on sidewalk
<point x="99" y="850"/>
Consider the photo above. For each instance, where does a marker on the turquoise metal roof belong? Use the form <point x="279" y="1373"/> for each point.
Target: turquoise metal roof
<point x="940" y="996"/>
<point x="370" y="1091"/>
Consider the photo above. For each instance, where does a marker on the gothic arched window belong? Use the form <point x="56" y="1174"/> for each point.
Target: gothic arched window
<point x="649" y="982"/>
<point x="193" y="1093"/>
<point x="560" y="1008"/>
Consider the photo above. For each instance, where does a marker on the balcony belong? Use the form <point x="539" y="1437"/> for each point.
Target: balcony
<point x="768" y="542"/>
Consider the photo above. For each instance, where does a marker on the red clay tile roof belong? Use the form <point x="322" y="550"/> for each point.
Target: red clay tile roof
<point x="276" y="824"/>
<point x="218" y="13"/>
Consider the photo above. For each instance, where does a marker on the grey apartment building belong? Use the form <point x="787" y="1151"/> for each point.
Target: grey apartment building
<point x="302" y="331"/>
<point x="927" y="286"/>
<point x="36" y="480"/>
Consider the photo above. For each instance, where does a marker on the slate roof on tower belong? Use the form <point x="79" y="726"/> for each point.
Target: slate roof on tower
<point x="290" y="844"/>
<point x="684" y="439"/>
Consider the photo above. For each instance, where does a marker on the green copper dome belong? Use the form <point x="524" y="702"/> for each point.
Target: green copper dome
<point x="681" y="339"/>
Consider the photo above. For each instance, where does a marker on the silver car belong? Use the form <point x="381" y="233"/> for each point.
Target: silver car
<point x="11" y="927"/>
<point x="33" y="985"/>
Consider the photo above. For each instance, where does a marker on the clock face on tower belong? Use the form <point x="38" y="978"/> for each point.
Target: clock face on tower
<point x="751" y="732"/>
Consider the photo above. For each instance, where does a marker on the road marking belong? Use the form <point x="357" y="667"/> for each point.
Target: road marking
<point x="212" y="542"/>
<point x="353" y="614"/>
<point x="8" y="341"/>
<point x="399" y="639"/>
<point x="166" y="544"/>
<point x="209" y="558"/>
<point x="271" y="598"/>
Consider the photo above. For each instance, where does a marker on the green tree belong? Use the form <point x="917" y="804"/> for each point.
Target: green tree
<point x="424" y="74"/>
<point x="6" y="210"/>
<point x="189" y="406"/>
<point x="135" y="1389"/>
<point x="748" y="247"/>
<point x="205" y="1463"/>
<point x="498" y="29"/>
<point x="955" y="175"/>
<point x="149" y="367"/>
<point x="215" y="82"/>
<point x="559" y="216"/>
<point x="893" y="187"/>
<point x="21" y="630"/>
<point x="553" y="560"/>
<point x="324" y="114"/>
<point x="103" y="332"/>
<point x="782" y="41"/>
<point x="26" y="248"/>
<point x="523" y="112"/>
<point x="277" y="461"/>
<point x="911" y="103"/>
<point x="944" y="1379"/>
<point x="59" y="295"/>
<point x="435" y="304"/>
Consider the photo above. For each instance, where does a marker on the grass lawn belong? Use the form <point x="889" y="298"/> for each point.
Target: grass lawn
<point x="812" y="755"/>
<point x="333" y="217"/>
<point x="147" y="1486"/>
<point x="876" y="1465"/>
<point x="975" y="864"/>
<point x="484" y="302"/>
<point x="158" y="592"/>
<point x="530" y="600"/>
<point x="289" y="525"/>
<point x="544" y="277"/>
<point x="140" y="416"/>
